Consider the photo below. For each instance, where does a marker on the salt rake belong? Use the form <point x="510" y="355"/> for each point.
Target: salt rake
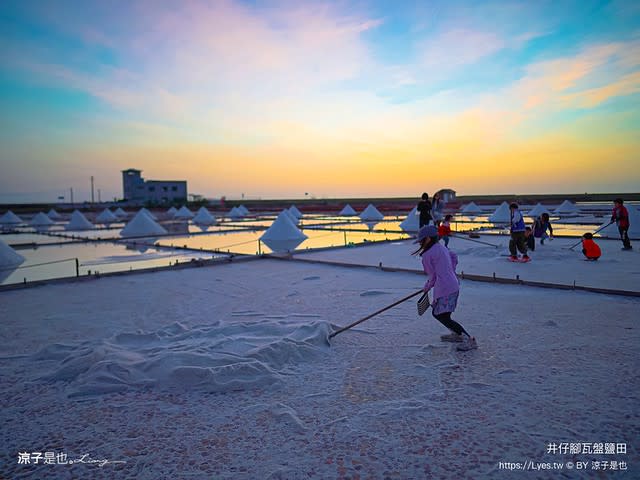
<point x="601" y="228"/>
<point x="375" y="313"/>
<point x="473" y="240"/>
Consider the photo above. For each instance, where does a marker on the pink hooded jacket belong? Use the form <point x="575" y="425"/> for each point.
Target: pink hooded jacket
<point x="439" y="264"/>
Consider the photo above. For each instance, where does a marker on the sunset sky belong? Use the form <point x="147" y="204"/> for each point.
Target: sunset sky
<point x="335" y="99"/>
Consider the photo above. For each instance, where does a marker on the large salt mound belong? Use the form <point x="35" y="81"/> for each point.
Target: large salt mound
<point x="10" y="218"/>
<point x="236" y="212"/>
<point x="207" y="358"/>
<point x="471" y="208"/>
<point x="9" y="260"/>
<point x="142" y="225"/>
<point x="295" y="220"/>
<point x="538" y="210"/>
<point x="348" y="211"/>
<point x="106" y="217"/>
<point x="567" y="207"/>
<point x="295" y="212"/>
<point x="41" y="220"/>
<point x="502" y="214"/>
<point x="412" y="222"/>
<point x="371" y="213"/>
<point x="9" y="257"/>
<point x="183" y="213"/>
<point x="204" y="217"/>
<point x="53" y="215"/>
<point x="148" y="213"/>
<point x="283" y="235"/>
<point x="78" y="222"/>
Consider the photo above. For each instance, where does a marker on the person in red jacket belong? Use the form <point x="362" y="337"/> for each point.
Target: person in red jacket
<point x="444" y="230"/>
<point x="590" y="249"/>
<point x="620" y="215"/>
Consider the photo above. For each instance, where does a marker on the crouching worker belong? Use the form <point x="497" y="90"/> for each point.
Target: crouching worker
<point x="590" y="249"/>
<point x="439" y="264"/>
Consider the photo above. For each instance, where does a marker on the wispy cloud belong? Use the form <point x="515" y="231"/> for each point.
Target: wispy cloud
<point x="598" y="73"/>
<point x="592" y="97"/>
<point x="458" y="47"/>
<point x="206" y="52"/>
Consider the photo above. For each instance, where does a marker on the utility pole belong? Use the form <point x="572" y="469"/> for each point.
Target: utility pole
<point x="99" y="199"/>
<point x="92" y="200"/>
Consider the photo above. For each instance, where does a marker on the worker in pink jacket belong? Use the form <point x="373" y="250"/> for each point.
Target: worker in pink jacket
<point x="439" y="264"/>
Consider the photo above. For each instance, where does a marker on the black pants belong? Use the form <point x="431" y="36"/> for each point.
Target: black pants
<point x="519" y="241"/>
<point x="447" y="321"/>
<point x="624" y="236"/>
<point x="531" y="242"/>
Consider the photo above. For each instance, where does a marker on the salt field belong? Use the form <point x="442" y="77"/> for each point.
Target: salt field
<point x="224" y="367"/>
<point x="104" y="251"/>
<point x="226" y="371"/>
<point x="302" y="240"/>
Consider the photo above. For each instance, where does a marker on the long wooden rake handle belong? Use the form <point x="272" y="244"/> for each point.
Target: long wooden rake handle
<point x="375" y="313"/>
<point x="601" y="228"/>
<point x="473" y="240"/>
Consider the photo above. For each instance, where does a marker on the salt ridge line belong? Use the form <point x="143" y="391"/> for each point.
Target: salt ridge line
<point x="472" y="277"/>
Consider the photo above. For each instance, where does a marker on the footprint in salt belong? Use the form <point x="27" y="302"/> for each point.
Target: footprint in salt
<point x="313" y="277"/>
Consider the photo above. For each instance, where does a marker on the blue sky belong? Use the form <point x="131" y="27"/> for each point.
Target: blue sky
<point x="274" y="99"/>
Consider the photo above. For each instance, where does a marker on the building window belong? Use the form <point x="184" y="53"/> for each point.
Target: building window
<point x="165" y="188"/>
<point x="152" y="189"/>
<point x="174" y="189"/>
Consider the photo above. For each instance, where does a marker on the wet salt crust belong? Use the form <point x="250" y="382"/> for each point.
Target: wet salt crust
<point x="223" y="373"/>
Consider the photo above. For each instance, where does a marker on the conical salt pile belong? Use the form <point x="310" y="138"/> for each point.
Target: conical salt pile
<point x="244" y="210"/>
<point x="183" y="213"/>
<point x="149" y="214"/>
<point x="41" y="220"/>
<point x="538" y="210"/>
<point x="295" y="220"/>
<point x="567" y="207"/>
<point x="106" y="217"/>
<point x="348" y="211"/>
<point x="78" y="222"/>
<point x="172" y="212"/>
<point x="9" y="257"/>
<point x="412" y="222"/>
<point x="10" y="218"/>
<point x="471" y="209"/>
<point x="235" y="212"/>
<point x="142" y="225"/>
<point x="53" y="215"/>
<point x="9" y="260"/>
<point x="502" y="214"/>
<point x="204" y="217"/>
<point x="295" y="212"/>
<point x="120" y="213"/>
<point x="371" y="213"/>
<point x="283" y="235"/>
